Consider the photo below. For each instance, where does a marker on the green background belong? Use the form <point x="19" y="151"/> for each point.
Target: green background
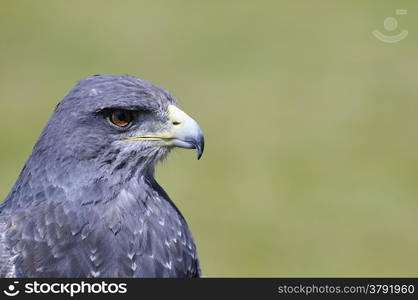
<point x="311" y="165"/>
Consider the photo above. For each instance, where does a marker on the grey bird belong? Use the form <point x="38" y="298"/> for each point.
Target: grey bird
<point x="86" y="203"/>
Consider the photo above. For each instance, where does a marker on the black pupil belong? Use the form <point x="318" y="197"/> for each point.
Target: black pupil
<point x="121" y="116"/>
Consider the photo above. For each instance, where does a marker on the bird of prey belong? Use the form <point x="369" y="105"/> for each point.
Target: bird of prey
<point x="86" y="203"/>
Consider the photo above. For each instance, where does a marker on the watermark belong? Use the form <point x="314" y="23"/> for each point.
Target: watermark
<point x="12" y="290"/>
<point x="365" y="289"/>
<point x="391" y="24"/>
<point x="70" y="289"/>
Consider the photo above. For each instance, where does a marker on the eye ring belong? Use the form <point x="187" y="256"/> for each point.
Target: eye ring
<point x="121" y="118"/>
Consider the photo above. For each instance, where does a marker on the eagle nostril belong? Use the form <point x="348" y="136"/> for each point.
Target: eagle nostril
<point x="176" y="123"/>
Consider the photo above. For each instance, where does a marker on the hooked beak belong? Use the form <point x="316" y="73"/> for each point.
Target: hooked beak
<point x="185" y="132"/>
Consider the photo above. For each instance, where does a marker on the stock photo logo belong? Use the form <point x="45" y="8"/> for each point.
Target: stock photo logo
<point x="391" y="24"/>
<point x="65" y="288"/>
<point x="11" y="290"/>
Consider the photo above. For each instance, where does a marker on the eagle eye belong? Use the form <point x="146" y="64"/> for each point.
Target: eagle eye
<point x="121" y="118"/>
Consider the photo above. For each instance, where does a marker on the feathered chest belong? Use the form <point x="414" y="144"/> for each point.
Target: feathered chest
<point x="137" y="233"/>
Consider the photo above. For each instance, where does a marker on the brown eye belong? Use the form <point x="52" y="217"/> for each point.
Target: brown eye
<point x="121" y="118"/>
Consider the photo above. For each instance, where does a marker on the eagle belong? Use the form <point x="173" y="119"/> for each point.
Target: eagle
<point x="86" y="203"/>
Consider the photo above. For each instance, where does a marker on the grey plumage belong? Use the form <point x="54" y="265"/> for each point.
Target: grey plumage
<point x="86" y="203"/>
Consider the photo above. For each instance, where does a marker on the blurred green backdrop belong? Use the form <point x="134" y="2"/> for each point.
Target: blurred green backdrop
<point x="311" y="165"/>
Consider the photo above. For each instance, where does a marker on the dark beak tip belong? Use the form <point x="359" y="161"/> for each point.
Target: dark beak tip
<point x="199" y="151"/>
<point x="199" y="154"/>
<point x="200" y="148"/>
